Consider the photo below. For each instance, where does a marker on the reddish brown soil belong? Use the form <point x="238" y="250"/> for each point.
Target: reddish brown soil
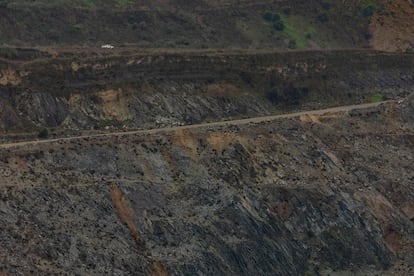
<point x="393" y="29"/>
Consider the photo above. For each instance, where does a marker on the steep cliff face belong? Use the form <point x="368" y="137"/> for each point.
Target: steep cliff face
<point x="313" y="194"/>
<point x="118" y="90"/>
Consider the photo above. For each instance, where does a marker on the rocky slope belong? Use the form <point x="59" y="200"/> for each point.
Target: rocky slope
<point x="310" y="195"/>
<point x="328" y="194"/>
<point x="80" y="91"/>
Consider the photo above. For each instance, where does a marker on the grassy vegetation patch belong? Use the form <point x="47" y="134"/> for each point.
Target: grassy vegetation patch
<point x="77" y="26"/>
<point x="377" y="98"/>
<point x="109" y="123"/>
<point x="122" y="3"/>
<point x="368" y="7"/>
<point x="271" y="17"/>
<point x="89" y="4"/>
<point x="297" y="30"/>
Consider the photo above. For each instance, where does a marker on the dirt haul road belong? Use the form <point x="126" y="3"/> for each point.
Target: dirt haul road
<point x="204" y="125"/>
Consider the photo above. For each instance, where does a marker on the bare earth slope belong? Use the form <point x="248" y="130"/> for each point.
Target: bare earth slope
<point x="310" y="194"/>
<point x="393" y="28"/>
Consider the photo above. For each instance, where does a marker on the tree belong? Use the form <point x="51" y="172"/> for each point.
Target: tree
<point x="43" y="134"/>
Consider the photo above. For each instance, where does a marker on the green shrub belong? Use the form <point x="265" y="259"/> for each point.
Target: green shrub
<point x="271" y="17"/>
<point x="292" y="44"/>
<point x="287" y="10"/>
<point x="369" y="10"/>
<point x="326" y="5"/>
<point x="276" y="17"/>
<point x="376" y="98"/>
<point x="43" y="134"/>
<point x="77" y="26"/>
<point x="89" y="4"/>
<point x="369" y="7"/>
<point x="323" y="17"/>
<point x="83" y="256"/>
<point x="279" y="26"/>
<point x="289" y="95"/>
<point x="268" y="16"/>
<point x="122" y="2"/>
<point x="242" y="14"/>
<point x="182" y="42"/>
<point x="272" y="95"/>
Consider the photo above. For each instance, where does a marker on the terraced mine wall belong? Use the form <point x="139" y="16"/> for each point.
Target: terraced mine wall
<point x="148" y="90"/>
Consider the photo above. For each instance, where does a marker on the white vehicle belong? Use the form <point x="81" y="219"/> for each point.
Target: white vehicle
<point x="107" y="46"/>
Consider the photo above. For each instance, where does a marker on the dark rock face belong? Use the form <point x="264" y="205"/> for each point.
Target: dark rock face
<point x="288" y="197"/>
<point x="52" y="113"/>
